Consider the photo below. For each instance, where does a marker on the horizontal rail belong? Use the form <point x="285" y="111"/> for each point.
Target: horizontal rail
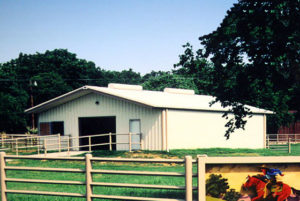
<point x="97" y="135"/>
<point x="150" y="186"/>
<point x="276" y="146"/>
<point x="18" y="136"/>
<point x="126" y="185"/>
<point x="29" y="137"/>
<point x="77" y="170"/>
<point x="134" y="198"/>
<point x="44" y="181"/>
<point x="252" y="160"/>
<point x="291" y="134"/>
<point x="208" y="160"/>
<point x="140" y="160"/>
<point x="30" y="146"/>
<point x="143" y="173"/>
<point x="46" y="193"/>
<point x="43" y="158"/>
<point x="102" y="144"/>
<point x="103" y="135"/>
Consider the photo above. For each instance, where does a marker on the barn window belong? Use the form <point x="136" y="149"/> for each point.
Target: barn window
<point x="45" y="128"/>
<point x="57" y="127"/>
<point x="54" y="127"/>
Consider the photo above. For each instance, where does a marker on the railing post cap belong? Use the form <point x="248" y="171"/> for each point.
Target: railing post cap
<point x="188" y="157"/>
<point x="88" y="155"/>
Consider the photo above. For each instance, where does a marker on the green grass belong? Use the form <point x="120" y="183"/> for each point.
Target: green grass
<point x="119" y="178"/>
<point x="97" y="177"/>
<point x="180" y="153"/>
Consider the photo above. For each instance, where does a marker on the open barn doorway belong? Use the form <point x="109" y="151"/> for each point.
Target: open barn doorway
<point x="95" y="126"/>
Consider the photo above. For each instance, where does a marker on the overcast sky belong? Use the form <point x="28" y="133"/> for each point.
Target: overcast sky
<point x="143" y="35"/>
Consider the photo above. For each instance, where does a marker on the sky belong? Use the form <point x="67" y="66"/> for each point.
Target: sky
<point x="144" y="35"/>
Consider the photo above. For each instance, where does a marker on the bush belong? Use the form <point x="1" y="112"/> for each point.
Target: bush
<point x="216" y="186"/>
<point x="232" y="195"/>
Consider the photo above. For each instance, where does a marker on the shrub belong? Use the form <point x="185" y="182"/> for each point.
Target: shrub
<point x="232" y="195"/>
<point x="216" y="186"/>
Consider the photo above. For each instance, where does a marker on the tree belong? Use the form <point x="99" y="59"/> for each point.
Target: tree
<point x="56" y="72"/>
<point x="196" y="68"/>
<point x="255" y="55"/>
<point x="232" y="195"/>
<point x="123" y="77"/>
<point x="161" y="80"/>
<point x="216" y="186"/>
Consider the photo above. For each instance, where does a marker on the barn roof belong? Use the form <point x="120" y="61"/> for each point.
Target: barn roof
<point x="170" y="99"/>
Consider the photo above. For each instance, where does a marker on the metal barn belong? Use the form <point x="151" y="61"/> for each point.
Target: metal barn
<point x="172" y="119"/>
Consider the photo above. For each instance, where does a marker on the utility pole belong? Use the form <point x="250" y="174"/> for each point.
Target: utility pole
<point x="31" y="101"/>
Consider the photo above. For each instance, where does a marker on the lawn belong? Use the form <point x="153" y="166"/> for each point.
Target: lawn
<point x="158" y="180"/>
<point x="180" y="153"/>
<point x="96" y="178"/>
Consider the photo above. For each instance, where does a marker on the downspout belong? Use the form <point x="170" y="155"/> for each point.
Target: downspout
<point x="163" y="129"/>
<point x="167" y="142"/>
<point x="265" y="130"/>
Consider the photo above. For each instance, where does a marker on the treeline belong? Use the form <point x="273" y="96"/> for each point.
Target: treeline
<point x="251" y="58"/>
<point x="50" y="74"/>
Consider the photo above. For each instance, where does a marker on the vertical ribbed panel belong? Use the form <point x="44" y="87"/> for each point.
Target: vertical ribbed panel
<point x="123" y="110"/>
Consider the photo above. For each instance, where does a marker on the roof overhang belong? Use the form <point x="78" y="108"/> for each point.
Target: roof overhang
<point x="143" y="102"/>
<point x="59" y="100"/>
<point x="72" y="96"/>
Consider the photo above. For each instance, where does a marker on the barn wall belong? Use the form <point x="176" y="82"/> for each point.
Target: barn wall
<point x="124" y="111"/>
<point x="191" y="129"/>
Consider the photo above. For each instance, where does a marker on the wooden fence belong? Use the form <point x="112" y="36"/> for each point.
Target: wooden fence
<point x="283" y="138"/>
<point x="7" y="140"/>
<point x="281" y="142"/>
<point x="44" y="144"/>
<point x="18" y="142"/>
<point x="201" y="162"/>
<point x="88" y="171"/>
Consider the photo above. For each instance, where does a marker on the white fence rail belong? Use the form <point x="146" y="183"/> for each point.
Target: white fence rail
<point x="13" y="142"/>
<point x="282" y="142"/>
<point x="283" y="138"/>
<point x="89" y="183"/>
<point x="201" y="162"/>
<point x="44" y="144"/>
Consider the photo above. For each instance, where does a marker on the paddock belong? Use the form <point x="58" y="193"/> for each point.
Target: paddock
<point x="193" y="174"/>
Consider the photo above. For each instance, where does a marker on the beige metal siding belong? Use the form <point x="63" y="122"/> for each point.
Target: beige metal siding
<point x="123" y="110"/>
<point x="196" y="129"/>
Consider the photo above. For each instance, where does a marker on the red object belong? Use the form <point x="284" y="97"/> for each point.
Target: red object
<point x="259" y="186"/>
<point x="292" y="131"/>
<point x="293" y="128"/>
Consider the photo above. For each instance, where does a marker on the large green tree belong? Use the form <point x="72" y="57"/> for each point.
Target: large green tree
<point x="194" y="68"/>
<point x="158" y="81"/>
<point x="55" y="72"/>
<point x="255" y="54"/>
